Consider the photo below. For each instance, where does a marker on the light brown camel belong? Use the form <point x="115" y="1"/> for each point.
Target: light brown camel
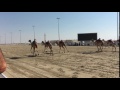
<point x="48" y="44"/>
<point x="33" y="46"/>
<point x="99" y="44"/>
<point x="2" y="62"/>
<point x="61" y="44"/>
<point x="111" y="43"/>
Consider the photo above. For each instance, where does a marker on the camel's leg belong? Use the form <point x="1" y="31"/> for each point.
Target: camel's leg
<point x="37" y="52"/>
<point x="66" y="48"/>
<point x="44" y="49"/>
<point x="63" y="48"/>
<point x="51" y="52"/>
<point x="106" y="46"/>
<point x="34" y="51"/>
<point x="97" y="48"/>
<point x="113" y="47"/>
<point x="31" y="49"/>
<point x="59" y="49"/>
<point x="109" y="45"/>
<point x="101" y="47"/>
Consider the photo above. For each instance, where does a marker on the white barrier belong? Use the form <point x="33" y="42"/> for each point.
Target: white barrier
<point x="2" y="76"/>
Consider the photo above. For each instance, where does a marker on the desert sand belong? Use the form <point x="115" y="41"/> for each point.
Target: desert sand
<point x="79" y="62"/>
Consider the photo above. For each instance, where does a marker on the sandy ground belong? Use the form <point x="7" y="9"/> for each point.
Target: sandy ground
<point x="79" y="62"/>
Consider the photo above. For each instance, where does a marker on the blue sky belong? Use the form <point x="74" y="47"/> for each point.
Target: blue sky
<point x="70" y="24"/>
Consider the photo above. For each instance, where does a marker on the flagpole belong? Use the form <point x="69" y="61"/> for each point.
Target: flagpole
<point x="117" y="26"/>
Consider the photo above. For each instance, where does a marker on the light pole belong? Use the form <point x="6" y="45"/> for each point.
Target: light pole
<point x="44" y="37"/>
<point x="58" y="29"/>
<point x="0" y="39"/>
<point x="11" y="37"/>
<point x="5" y="38"/>
<point x="20" y="36"/>
<point x="117" y="26"/>
<point x="34" y="31"/>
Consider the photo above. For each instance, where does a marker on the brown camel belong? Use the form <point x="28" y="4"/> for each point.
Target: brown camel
<point x="98" y="43"/>
<point x="48" y="44"/>
<point x="111" y="43"/>
<point x="33" y="46"/>
<point x="61" y="44"/>
<point x="2" y="62"/>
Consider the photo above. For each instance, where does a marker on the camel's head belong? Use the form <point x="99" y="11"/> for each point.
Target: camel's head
<point x="110" y="40"/>
<point x="29" y="41"/>
<point x="42" y="42"/>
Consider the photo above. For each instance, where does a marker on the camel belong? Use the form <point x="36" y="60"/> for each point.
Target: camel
<point x="105" y="43"/>
<point x="98" y="43"/>
<point x="61" y="44"/>
<point x="2" y="62"/>
<point x="111" y="43"/>
<point x="48" y="44"/>
<point x="33" y="46"/>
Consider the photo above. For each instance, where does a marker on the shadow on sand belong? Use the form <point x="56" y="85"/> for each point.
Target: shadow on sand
<point x="15" y="57"/>
<point x="92" y="52"/>
<point x="32" y="55"/>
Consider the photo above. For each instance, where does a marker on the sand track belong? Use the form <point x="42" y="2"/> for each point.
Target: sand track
<point x="80" y="62"/>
